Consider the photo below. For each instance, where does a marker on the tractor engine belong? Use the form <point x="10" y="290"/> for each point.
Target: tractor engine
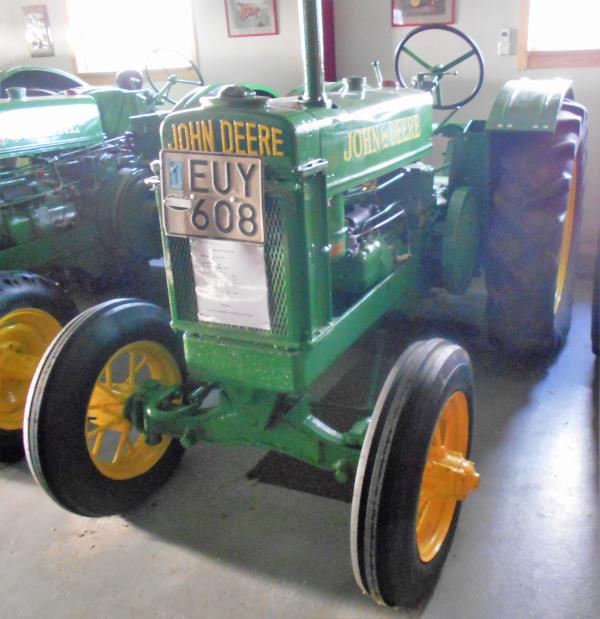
<point x="380" y="221"/>
<point x="69" y="194"/>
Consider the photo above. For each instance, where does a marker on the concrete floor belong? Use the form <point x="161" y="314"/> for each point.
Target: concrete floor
<point x="214" y="544"/>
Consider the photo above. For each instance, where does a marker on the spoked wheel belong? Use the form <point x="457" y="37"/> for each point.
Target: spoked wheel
<point x="534" y="235"/>
<point x="413" y="474"/>
<point x="32" y="310"/>
<point x="80" y="447"/>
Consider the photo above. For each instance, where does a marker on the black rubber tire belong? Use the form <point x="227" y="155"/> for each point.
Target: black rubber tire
<point x="22" y="290"/>
<point x="525" y="235"/>
<point x="56" y="409"/>
<point x="129" y="226"/>
<point x="596" y="306"/>
<point x="385" y="556"/>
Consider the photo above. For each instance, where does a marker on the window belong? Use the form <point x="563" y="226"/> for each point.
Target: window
<point x="113" y="35"/>
<point x="559" y="33"/>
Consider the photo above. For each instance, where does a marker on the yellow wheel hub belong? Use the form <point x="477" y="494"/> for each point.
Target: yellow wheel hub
<point x="448" y="476"/>
<point x="24" y="336"/>
<point x="117" y="450"/>
<point x="567" y="240"/>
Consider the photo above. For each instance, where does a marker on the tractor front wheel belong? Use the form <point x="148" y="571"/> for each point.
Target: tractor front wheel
<point x="413" y="474"/>
<point x="80" y="447"/>
<point x="32" y="311"/>
<point x="533" y="236"/>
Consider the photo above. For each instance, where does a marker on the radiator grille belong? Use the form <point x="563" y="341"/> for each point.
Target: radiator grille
<point x="275" y="256"/>
<point x="183" y="275"/>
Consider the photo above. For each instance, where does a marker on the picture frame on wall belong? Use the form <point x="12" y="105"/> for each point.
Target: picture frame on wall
<point x="421" y="12"/>
<point x="37" y="30"/>
<point x="251" y="18"/>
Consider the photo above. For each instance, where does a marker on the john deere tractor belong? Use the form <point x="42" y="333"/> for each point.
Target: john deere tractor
<point x="74" y="207"/>
<point x="290" y="226"/>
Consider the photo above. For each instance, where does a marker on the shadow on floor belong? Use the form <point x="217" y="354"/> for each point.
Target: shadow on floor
<point x="17" y="471"/>
<point x="211" y="507"/>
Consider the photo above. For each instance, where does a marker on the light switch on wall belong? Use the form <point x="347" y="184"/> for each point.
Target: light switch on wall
<point x="505" y="42"/>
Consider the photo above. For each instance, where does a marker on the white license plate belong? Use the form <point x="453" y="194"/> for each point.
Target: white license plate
<point x="212" y="196"/>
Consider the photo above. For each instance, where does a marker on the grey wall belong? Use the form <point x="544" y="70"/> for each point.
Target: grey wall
<point x="363" y="33"/>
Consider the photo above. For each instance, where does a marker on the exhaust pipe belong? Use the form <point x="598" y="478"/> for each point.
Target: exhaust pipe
<point x="311" y="12"/>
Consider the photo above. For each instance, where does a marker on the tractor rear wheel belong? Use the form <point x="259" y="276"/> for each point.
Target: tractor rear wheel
<point x="80" y="447"/>
<point x="533" y="235"/>
<point x="127" y="221"/>
<point x="413" y="474"/>
<point x="596" y="306"/>
<point x="32" y="311"/>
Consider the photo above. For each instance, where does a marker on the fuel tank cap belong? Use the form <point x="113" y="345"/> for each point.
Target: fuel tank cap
<point x="355" y="83"/>
<point x="236" y="91"/>
<point x="238" y="94"/>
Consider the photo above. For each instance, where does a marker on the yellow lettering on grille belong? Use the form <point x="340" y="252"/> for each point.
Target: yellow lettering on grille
<point x="237" y="138"/>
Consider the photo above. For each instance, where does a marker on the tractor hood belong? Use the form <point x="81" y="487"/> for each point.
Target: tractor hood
<point x="34" y="126"/>
<point x="366" y="131"/>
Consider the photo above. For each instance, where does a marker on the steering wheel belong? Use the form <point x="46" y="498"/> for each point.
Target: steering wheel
<point x="171" y="79"/>
<point x="430" y="79"/>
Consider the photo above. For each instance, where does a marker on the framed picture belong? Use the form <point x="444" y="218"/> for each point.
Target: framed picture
<point x="420" y="12"/>
<point x="251" y="18"/>
<point x="37" y="30"/>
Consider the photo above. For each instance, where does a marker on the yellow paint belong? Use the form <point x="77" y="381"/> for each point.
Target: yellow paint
<point x="227" y="144"/>
<point x="448" y="476"/>
<point x="237" y="137"/>
<point x="240" y="138"/>
<point x="263" y="140"/>
<point x="192" y="136"/>
<point x="24" y="336"/>
<point x="277" y="140"/>
<point x="567" y="240"/>
<point x="367" y="141"/>
<point x="208" y="135"/>
<point x="252" y="138"/>
<point x="115" y="448"/>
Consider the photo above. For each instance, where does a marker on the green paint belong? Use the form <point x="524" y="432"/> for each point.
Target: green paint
<point x="71" y="192"/>
<point x="247" y="417"/>
<point x="35" y="126"/>
<point x="329" y="154"/>
<point x="461" y="240"/>
<point x="529" y="105"/>
<point x="116" y="106"/>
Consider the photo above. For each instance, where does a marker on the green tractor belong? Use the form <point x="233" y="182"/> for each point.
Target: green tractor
<point x="74" y="207"/>
<point x="73" y="161"/>
<point x="290" y="226"/>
